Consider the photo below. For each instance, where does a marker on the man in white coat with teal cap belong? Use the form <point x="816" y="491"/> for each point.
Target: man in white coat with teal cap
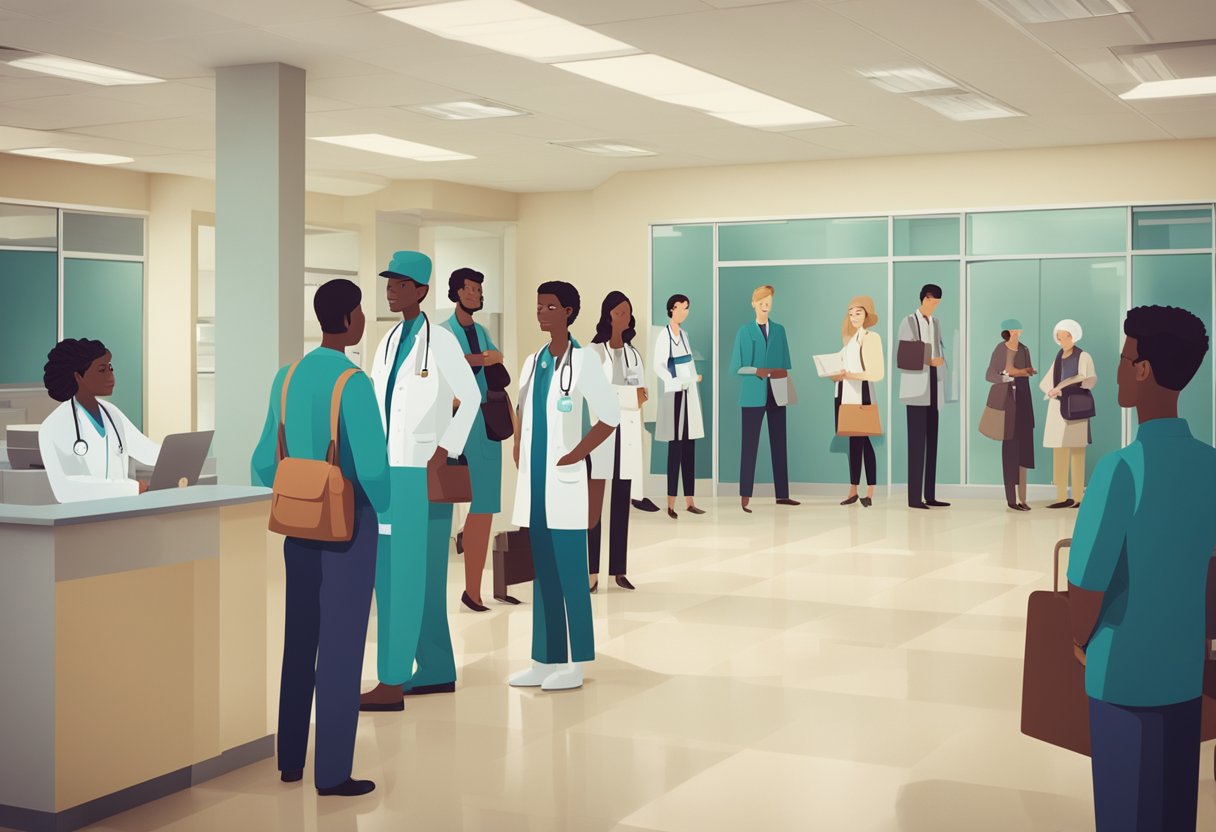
<point x="418" y="370"/>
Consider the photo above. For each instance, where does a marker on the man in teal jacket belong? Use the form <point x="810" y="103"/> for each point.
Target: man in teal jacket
<point x="761" y="355"/>
<point x="329" y="585"/>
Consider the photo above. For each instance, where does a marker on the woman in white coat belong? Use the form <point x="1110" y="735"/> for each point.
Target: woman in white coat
<point x="86" y="445"/>
<point x="1071" y="372"/>
<point x="619" y="458"/>
<point x="679" y="421"/>
<point x="551" y="489"/>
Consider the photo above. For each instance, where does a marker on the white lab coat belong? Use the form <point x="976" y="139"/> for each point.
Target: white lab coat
<point x="665" y="429"/>
<point x="565" y="486"/>
<point x="422" y="416"/>
<point x="102" y="471"/>
<point x="603" y="458"/>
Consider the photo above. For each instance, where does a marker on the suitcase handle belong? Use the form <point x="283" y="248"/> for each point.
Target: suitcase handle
<point x="1066" y="543"/>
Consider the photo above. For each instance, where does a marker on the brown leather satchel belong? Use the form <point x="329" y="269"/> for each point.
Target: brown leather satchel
<point x="312" y="500"/>
<point x="449" y="482"/>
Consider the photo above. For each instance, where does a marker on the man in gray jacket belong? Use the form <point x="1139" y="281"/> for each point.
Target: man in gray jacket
<point x="923" y="391"/>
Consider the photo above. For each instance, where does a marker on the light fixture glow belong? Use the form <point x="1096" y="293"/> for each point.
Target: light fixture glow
<point x="106" y="76"/>
<point x="389" y="146"/>
<point x="965" y="106"/>
<point x="63" y="154"/>
<point x="1174" y="88"/>
<point x="467" y="110"/>
<point x="511" y="27"/>
<point x="606" y="147"/>
<point x="1053" y="11"/>
<point x="910" y="79"/>
<point x="675" y="83"/>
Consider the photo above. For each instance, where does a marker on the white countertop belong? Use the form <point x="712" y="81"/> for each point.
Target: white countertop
<point x="152" y="502"/>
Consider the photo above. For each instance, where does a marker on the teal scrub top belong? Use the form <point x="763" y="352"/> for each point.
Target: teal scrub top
<point x="1144" y="538"/>
<point x="363" y="452"/>
<point x="542" y="379"/>
<point x="483" y="341"/>
<point x="408" y="330"/>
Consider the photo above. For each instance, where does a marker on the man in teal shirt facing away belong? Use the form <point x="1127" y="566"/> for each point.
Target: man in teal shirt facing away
<point x="329" y="585"/>
<point x="1140" y="562"/>
<point x="761" y="355"/>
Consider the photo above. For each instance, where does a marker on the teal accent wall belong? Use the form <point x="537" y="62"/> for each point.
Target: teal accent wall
<point x="1183" y="280"/>
<point x="29" y="314"/>
<point x="1179" y="228"/>
<point x="926" y="236"/>
<point x="104" y="300"/>
<point x="909" y="278"/>
<point x="810" y="302"/>
<point x="1064" y="231"/>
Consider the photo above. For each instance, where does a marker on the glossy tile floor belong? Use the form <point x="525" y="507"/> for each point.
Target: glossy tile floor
<point x="811" y="668"/>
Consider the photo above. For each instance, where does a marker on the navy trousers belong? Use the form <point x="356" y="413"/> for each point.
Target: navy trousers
<point x="329" y="597"/>
<point x="1146" y="766"/>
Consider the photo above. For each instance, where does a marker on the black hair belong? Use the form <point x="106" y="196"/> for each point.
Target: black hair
<point x="603" y="329"/>
<point x="334" y="302"/>
<point x="66" y="359"/>
<point x="456" y="281"/>
<point x="1173" y="340"/>
<point x="673" y="300"/>
<point x="566" y="295"/>
<point x="931" y="290"/>
<point x="1005" y="334"/>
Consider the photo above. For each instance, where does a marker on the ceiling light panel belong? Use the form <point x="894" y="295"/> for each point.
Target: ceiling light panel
<point x="513" y="28"/>
<point x="106" y="76"/>
<point x="1054" y="11"/>
<point x="1176" y="88"/>
<point x="390" y="146"/>
<point x="908" y="79"/>
<point x="675" y="83"/>
<point x="467" y="110"/>
<point x="962" y="105"/>
<point x="63" y="154"/>
<point x="606" y="147"/>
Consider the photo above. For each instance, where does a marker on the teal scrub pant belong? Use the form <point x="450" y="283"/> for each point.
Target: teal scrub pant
<point x="560" y="594"/>
<point x="411" y="582"/>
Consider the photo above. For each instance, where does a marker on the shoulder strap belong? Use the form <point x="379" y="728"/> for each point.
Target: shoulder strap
<point x="916" y="322"/>
<point x="335" y="409"/>
<point x="283" y="412"/>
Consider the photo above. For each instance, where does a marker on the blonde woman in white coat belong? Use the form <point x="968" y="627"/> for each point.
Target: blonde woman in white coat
<point x="618" y="458"/>
<point x="863" y="368"/>
<point x="1072" y="368"/>
<point x="679" y="422"/>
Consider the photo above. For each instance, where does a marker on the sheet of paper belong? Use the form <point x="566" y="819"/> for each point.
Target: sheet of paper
<point x="829" y="364"/>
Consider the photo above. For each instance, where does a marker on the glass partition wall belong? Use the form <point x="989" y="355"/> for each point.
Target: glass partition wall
<point x="1039" y="266"/>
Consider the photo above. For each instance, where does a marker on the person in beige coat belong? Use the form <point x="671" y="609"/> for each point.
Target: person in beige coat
<point x="1067" y="438"/>
<point x="863" y="368"/>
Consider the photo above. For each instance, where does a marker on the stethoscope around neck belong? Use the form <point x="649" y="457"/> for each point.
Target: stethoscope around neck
<point x="81" y="447"/>
<point x="426" y="356"/>
<point x="565" y="375"/>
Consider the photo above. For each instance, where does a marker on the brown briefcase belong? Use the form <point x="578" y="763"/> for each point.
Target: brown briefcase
<point x="512" y="562"/>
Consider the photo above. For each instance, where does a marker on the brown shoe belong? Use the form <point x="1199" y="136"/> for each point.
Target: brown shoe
<point x="383" y="698"/>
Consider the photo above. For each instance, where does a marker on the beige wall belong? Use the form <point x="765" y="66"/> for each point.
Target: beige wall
<point x="27" y="179"/>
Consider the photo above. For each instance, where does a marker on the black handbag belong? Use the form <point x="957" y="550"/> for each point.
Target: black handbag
<point x="1076" y="403"/>
<point x="496" y="409"/>
<point x="914" y="355"/>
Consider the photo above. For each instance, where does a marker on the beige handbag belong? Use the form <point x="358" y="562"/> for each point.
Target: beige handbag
<point x="312" y="499"/>
<point x="859" y="419"/>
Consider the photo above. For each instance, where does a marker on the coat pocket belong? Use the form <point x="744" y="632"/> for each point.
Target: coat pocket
<point x="574" y="473"/>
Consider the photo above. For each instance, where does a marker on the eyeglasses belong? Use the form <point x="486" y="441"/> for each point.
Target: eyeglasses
<point x="1136" y="360"/>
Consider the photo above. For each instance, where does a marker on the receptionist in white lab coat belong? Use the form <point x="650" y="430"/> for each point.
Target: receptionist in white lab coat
<point x="86" y="445"/>
<point x="551" y="489"/>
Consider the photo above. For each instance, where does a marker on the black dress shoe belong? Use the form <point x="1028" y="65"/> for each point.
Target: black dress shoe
<point x="423" y="690"/>
<point x="623" y="582"/>
<point x="1061" y="504"/>
<point x="351" y="788"/>
<point x="644" y="505"/>
<point x="937" y="504"/>
<point x="918" y="505"/>
<point x="595" y="587"/>
<point x="671" y="512"/>
<point x="848" y="501"/>
<point x="294" y="775"/>
<point x="1076" y="505"/>
<point x="786" y="501"/>
<point x="460" y="543"/>
<point x="507" y="599"/>
<point x="1018" y="507"/>
<point x="471" y="604"/>
<point x="866" y="502"/>
<point x="695" y="510"/>
<point x="1023" y="507"/>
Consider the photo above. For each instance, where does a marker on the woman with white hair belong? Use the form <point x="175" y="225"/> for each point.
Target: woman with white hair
<point x="1069" y="408"/>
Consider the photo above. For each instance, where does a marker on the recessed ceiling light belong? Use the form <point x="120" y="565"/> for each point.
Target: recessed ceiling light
<point x="606" y="147"/>
<point x="344" y="184"/>
<point x="1176" y="88"/>
<point x="63" y="154"/>
<point x="106" y="76"/>
<point x="467" y="110"/>
<point x="389" y="146"/>
<point x="675" y="83"/>
<point x="511" y="27"/>
<point x="909" y="79"/>
<point x="1053" y="11"/>
<point x="961" y="105"/>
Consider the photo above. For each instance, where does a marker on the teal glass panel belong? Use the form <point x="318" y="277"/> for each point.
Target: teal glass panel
<point x="29" y="315"/>
<point x="909" y="278"/>
<point x="810" y="302"/>
<point x="104" y="300"/>
<point x="828" y="239"/>
<point x="1067" y="231"/>
<point x="103" y="234"/>
<point x="926" y="236"/>
<point x="1183" y="280"/>
<point x="683" y="263"/>
<point x="1172" y="228"/>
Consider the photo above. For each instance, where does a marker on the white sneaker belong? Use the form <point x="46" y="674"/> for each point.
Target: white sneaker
<point x="568" y="678"/>
<point x="533" y="677"/>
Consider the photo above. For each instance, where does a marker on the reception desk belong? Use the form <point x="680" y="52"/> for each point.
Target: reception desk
<point x="132" y="650"/>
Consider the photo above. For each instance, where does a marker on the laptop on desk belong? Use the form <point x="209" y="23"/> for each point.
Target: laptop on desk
<point x="181" y="460"/>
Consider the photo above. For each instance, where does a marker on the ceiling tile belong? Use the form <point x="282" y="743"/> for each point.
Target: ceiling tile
<point x="383" y="90"/>
<point x="180" y="134"/>
<point x="65" y="111"/>
<point x="1176" y="20"/>
<point x="1197" y="124"/>
<point x="143" y="20"/>
<point x="591" y="12"/>
<point x="270" y="12"/>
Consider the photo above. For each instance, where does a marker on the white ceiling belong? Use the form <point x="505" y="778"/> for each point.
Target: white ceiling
<point x="363" y="68"/>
